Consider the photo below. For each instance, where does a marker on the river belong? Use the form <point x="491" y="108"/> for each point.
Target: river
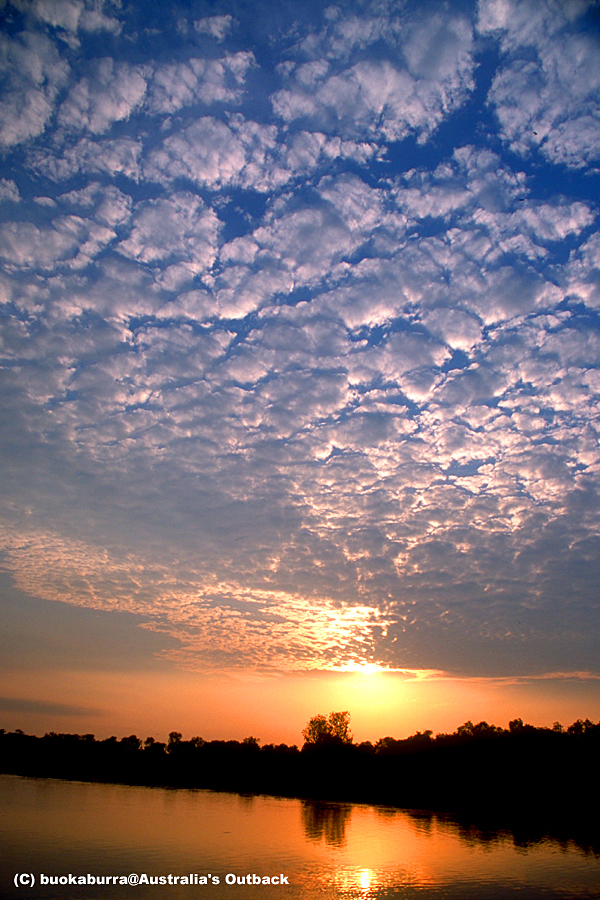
<point x="218" y="845"/>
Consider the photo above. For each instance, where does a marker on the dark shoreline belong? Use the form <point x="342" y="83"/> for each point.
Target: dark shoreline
<point x="535" y="783"/>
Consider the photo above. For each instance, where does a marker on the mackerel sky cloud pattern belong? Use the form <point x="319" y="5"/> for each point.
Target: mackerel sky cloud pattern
<point x="300" y="347"/>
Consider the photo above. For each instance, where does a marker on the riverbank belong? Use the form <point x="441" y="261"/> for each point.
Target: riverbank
<point x="527" y="775"/>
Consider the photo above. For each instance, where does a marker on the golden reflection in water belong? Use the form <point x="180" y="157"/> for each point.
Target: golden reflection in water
<point x="366" y="879"/>
<point x="360" y="884"/>
<point x="327" y="849"/>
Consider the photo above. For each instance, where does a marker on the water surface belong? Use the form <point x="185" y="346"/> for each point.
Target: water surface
<point x="56" y="828"/>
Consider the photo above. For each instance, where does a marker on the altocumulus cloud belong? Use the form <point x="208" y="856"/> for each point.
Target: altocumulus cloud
<point x="300" y="328"/>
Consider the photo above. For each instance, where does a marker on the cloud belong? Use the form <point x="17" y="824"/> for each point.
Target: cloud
<point x="63" y="14"/>
<point x="33" y="74"/>
<point x="583" y="272"/>
<point x="216" y="26"/>
<point x="179" y="230"/>
<point x="46" y="707"/>
<point x="380" y="98"/>
<point x="111" y="206"/>
<point x="454" y="327"/>
<point x="109" y="95"/>
<point x="217" y="155"/>
<point x="312" y="388"/>
<point x="86" y="156"/>
<point x="299" y="245"/>
<point x="70" y="239"/>
<point x="198" y="80"/>
<point x="546" y="103"/>
<point x="71" y="15"/>
<point x="8" y="190"/>
<point x="214" y="154"/>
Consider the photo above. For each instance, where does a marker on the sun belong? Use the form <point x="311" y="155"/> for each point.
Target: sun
<point x="363" y="668"/>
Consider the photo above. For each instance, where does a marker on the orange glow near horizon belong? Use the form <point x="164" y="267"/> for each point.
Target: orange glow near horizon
<point x="275" y="709"/>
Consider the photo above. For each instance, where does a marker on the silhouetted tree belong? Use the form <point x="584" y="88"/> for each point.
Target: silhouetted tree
<point x="174" y="740"/>
<point x="465" y="730"/>
<point x="580" y="727"/>
<point x="333" y="729"/>
<point x="420" y="739"/>
<point x="132" y="742"/>
<point x="315" y="729"/>
<point x="339" y="723"/>
<point x="479" y="767"/>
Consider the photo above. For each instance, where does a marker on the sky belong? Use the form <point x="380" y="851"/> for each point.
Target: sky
<point x="300" y="365"/>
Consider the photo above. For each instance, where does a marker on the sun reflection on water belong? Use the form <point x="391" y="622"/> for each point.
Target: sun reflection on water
<point x="366" y="879"/>
<point x="333" y="851"/>
<point x="360" y="884"/>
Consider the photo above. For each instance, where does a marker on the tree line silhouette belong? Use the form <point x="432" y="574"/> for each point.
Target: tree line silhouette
<point x="522" y="770"/>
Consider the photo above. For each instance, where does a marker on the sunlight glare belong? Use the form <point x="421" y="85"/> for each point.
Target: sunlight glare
<point x="363" y="668"/>
<point x="365" y="879"/>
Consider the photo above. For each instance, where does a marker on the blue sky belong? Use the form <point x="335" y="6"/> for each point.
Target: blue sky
<point x="300" y="340"/>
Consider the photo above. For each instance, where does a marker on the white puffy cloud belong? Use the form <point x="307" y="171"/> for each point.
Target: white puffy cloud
<point x="243" y="153"/>
<point x="298" y="245"/>
<point x="111" y="206"/>
<point x="119" y="156"/>
<point x="33" y="74"/>
<point x="305" y="150"/>
<point x="198" y="80"/>
<point x="217" y="155"/>
<point x="583" y="272"/>
<point x="403" y="352"/>
<point x="60" y="14"/>
<point x="70" y="239"/>
<point x="380" y="98"/>
<point x="548" y="102"/>
<point x="109" y="95"/>
<point x="473" y="179"/>
<point x="71" y="15"/>
<point x="372" y="98"/>
<point x="216" y="26"/>
<point x="8" y="190"/>
<point x="454" y="327"/>
<point x="293" y="398"/>
<point x="178" y="229"/>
